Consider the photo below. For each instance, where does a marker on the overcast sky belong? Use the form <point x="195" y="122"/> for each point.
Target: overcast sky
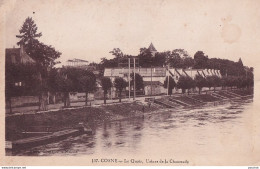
<point x="89" y="29"/>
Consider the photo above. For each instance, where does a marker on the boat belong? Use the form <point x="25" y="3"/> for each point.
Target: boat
<point x="46" y="139"/>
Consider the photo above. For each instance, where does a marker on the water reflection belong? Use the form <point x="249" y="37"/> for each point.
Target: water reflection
<point x="192" y="130"/>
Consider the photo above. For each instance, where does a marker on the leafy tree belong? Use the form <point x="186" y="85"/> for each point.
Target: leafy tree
<point x="145" y="58"/>
<point x="43" y="55"/>
<point x="120" y="84"/>
<point x="139" y="83"/>
<point x="87" y="82"/>
<point x="28" y="33"/>
<point x="185" y="82"/>
<point x="210" y="81"/>
<point x="241" y="82"/>
<point x="200" y="60"/>
<point x="117" y="53"/>
<point x="231" y="81"/>
<point x="172" y="84"/>
<point x="64" y="85"/>
<point x="200" y="82"/>
<point x="216" y="82"/>
<point x="106" y="85"/>
<point x="224" y="82"/>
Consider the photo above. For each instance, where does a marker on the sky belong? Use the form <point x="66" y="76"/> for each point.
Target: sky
<point x="89" y="29"/>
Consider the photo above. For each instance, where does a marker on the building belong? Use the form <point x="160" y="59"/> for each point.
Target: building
<point x="77" y="63"/>
<point x="152" y="49"/>
<point x="176" y="73"/>
<point x="17" y="56"/>
<point x="154" y="77"/>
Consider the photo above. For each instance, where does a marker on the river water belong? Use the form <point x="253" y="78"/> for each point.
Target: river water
<point x="207" y="134"/>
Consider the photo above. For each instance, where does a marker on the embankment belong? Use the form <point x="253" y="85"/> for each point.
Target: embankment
<point x="68" y="118"/>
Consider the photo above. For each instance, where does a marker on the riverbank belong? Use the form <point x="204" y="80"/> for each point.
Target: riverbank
<point x="68" y="118"/>
<point x="92" y="116"/>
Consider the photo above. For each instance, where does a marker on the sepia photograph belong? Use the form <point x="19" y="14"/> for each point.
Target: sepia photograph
<point x="139" y="83"/>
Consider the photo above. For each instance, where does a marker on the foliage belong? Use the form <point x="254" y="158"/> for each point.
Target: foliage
<point x="185" y="82"/>
<point x="200" y="82"/>
<point x="106" y="85"/>
<point x="87" y="83"/>
<point x="44" y="55"/>
<point x="172" y="84"/>
<point x="213" y="81"/>
<point x="200" y="60"/>
<point x="120" y="84"/>
<point x="139" y="83"/>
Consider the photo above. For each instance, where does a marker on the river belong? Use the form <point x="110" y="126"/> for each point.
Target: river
<point x="206" y="134"/>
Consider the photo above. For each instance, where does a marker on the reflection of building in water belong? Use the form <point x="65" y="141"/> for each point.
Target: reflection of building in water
<point x="77" y="63"/>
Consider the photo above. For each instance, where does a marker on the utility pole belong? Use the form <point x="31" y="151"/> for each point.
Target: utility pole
<point x="129" y="85"/>
<point x="151" y="80"/>
<point x="168" y="83"/>
<point x="134" y="79"/>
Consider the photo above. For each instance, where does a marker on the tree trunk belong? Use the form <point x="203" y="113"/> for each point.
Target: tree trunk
<point x="120" y="95"/>
<point x="54" y="98"/>
<point x="66" y="99"/>
<point x="214" y="89"/>
<point x="105" y="92"/>
<point x="188" y="91"/>
<point x="42" y="101"/>
<point x="183" y="91"/>
<point x="86" y="100"/>
<point x="199" y="90"/>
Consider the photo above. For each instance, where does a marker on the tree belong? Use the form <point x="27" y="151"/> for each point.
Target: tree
<point x="120" y="84"/>
<point x="145" y="57"/>
<point x="209" y="81"/>
<point x="64" y="85"/>
<point x="217" y="82"/>
<point x="139" y="83"/>
<point x="231" y="81"/>
<point x="44" y="55"/>
<point x="106" y="85"/>
<point x="28" y="33"/>
<point x="200" y="82"/>
<point x="172" y="84"/>
<point x="200" y="60"/>
<point x="213" y="81"/>
<point x="117" y="53"/>
<point x="185" y="82"/>
<point x="87" y="82"/>
<point x="224" y="82"/>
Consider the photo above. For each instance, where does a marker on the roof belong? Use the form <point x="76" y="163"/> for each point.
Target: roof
<point x="10" y="51"/>
<point x="76" y="60"/>
<point x="151" y="47"/>
<point x="20" y="55"/>
<point x="144" y="72"/>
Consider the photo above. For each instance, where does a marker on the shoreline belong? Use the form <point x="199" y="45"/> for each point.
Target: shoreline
<point x="59" y="119"/>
